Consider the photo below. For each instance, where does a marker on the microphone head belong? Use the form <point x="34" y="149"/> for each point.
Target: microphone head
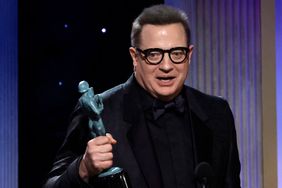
<point x="203" y="173"/>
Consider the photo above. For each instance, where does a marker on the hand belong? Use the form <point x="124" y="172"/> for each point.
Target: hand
<point x="97" y="157"/>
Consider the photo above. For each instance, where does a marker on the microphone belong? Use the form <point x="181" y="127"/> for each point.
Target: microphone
<point x="203" y="173"/>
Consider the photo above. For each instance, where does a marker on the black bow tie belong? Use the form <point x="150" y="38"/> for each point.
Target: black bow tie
<point x="160" y="107"/>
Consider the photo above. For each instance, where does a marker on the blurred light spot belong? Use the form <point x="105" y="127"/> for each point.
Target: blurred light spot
<point x="103" y="30"/>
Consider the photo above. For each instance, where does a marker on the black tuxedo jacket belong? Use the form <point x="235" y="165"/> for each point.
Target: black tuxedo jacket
<point x="213" y="130"/>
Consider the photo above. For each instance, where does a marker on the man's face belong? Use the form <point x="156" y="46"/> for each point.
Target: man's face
<point x="164" y="80"/>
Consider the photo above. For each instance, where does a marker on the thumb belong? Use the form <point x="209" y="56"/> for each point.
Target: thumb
<point x="113" y="141"/>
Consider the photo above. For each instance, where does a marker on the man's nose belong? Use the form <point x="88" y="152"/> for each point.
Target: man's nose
<point x="166" y="63"/>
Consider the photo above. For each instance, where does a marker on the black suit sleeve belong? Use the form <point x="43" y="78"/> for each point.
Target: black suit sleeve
<point x="232" y="179"/>
<point x="64" y="173"/>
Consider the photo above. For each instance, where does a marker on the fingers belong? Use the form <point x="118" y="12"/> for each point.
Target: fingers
<point x="98" y="156"/>
<point x="101" y="140"/>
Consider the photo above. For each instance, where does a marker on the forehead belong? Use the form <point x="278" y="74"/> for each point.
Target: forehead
<point x="163" y="36"/>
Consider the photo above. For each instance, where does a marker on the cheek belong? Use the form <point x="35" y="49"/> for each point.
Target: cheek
<point x="183" y="69"/>
<point x="183" y="74"/>
<point x="143" y="73"/>
<point x="146" y="70"/>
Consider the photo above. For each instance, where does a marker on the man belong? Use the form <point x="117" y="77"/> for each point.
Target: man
<point x="161" y="130"/>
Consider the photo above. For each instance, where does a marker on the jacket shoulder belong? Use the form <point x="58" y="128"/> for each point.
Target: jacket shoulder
<point x="112" y="92"/>
<point x="209" y="103"/>
<point x="117" y="91"/>
<point x="204" y="96"/>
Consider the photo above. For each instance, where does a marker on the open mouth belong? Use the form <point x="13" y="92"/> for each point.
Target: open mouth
<point x="165" y="78"/>
<point x="166" y="81"/>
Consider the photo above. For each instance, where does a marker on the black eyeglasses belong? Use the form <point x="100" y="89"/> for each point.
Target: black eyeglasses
<point x="154" y="56"/>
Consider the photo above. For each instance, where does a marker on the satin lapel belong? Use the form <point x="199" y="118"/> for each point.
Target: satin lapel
<point x="202" y="135"/>
<point x="138" y="137"/>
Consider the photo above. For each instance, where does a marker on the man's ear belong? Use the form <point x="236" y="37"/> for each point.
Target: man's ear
<point x="191" y="48"/>
<point x="133" y="55"/>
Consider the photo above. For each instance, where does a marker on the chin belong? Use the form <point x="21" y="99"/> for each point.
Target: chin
<point x="166" y="95"/>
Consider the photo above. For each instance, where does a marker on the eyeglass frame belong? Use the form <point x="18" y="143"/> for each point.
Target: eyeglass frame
<point x="162" y="51"/>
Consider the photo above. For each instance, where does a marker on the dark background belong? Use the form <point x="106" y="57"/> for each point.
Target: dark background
<point x="53" y="59"/>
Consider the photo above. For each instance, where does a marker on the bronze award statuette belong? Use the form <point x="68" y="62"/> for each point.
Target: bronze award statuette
<point x="114" y="177"/>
